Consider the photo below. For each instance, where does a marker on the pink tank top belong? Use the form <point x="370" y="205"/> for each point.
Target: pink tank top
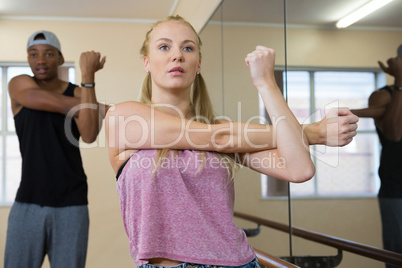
<point x="183" y="212"/>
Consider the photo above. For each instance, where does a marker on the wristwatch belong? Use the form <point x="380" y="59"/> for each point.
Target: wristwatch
<point x="88" y="84"/>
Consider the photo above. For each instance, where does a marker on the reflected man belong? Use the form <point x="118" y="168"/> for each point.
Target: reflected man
<point x="385" y="107"/>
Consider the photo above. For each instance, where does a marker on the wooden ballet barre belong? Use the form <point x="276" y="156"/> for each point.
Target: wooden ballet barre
<point x="269" y="261"/>
<point x="341" y="244"/>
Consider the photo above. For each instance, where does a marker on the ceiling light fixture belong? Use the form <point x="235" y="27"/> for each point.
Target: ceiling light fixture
<point x="361" y="13"/>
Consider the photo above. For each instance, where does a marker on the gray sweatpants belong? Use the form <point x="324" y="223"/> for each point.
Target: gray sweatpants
<point x="34" y="231"/>
<point x="391" y="218"/>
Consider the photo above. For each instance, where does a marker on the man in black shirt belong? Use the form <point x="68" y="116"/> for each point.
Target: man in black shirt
<point x="50" y="213"/>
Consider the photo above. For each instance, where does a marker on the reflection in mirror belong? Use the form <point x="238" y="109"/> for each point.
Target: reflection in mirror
<point x="330" y="67"/>
<point x="326" y="67"/>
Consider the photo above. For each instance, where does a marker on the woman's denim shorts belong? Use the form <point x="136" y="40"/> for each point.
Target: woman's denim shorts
<point x="252" y="264"/>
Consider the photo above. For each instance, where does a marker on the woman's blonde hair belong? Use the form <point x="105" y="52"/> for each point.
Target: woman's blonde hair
<point x="200" y="109"/>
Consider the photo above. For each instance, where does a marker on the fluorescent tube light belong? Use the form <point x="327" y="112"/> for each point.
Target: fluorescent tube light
<point x="361" y="13"/>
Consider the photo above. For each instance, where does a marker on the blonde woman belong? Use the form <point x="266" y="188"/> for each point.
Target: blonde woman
<point x="175" y="162"/>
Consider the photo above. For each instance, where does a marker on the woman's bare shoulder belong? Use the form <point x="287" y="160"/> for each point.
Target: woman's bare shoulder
<point x="127" y="104"/>
<point x="127" y="107"/>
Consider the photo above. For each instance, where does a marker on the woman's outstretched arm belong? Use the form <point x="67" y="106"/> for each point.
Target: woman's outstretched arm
<point x="132" y="125"/>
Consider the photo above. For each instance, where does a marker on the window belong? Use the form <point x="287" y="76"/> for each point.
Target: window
<point x="349" y="171"/>
<point x="10" y="165"/>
